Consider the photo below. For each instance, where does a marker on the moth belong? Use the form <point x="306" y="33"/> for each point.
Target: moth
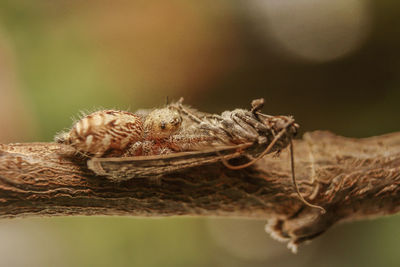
<point x="121" y="145"/>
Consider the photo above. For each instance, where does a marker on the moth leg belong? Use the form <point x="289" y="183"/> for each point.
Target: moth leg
<point x="165" y="150"/>
<point x="209" y="125"/>
<point x="214" y="117"/>
<point x="249" y="130"/>
<point x="220" y="126"/>
<point x="253" y="128"/>
<point x="254" y="122"/>
<point x="238" y="128"/>
<point x="148" y="147"/>
<point x="217" y="131"/>
<point x="265" y="126"/>
<point x="135" y="149"/>
<point x="205" y="121"/>
<point x="188" y="113"/>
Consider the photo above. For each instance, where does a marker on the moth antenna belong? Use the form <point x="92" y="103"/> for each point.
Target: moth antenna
<point x="266" y="151"/>
<point x="188" y="113"/>
<point x="166" y="100"/>
<point x="295" y="181"/>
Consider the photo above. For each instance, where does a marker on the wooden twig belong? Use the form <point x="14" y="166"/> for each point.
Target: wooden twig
<point x="350" y="178"/>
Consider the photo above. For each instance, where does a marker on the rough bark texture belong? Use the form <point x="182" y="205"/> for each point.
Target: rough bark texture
<point x="350" y="178"/>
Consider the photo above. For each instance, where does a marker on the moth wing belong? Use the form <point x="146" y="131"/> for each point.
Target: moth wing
<point x="121" y="169"/>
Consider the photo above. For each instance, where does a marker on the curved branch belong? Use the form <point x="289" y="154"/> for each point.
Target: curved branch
<point x="350" y="178"/>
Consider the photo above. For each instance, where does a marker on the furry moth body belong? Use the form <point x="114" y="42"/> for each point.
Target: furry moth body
<point x="102" y="131"/>
<point x="117" y="133"/>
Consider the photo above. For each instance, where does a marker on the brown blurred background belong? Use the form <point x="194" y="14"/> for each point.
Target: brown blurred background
<point x="334" y="65"/>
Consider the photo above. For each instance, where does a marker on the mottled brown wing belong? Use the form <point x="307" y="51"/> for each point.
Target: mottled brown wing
<point x="121" y="169"/>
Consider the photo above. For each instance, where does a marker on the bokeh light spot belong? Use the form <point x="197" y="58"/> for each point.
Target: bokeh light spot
<point x="315" y="30"/>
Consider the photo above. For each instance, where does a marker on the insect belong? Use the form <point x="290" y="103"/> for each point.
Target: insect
<point x="113" y="133"/>
<point x="117" y="133"/>
<point x="122" y="145"/>
<point x="276" y="132"/>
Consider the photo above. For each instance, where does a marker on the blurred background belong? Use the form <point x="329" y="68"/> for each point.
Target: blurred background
<point x="334" y="65"/>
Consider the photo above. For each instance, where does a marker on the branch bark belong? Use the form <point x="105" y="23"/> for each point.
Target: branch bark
<point x="350" y="178"/>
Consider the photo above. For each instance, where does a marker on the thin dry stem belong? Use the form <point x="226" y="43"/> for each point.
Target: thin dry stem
<point x="350" y="178"/>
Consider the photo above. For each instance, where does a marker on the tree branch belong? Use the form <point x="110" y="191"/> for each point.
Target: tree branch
<point x="350" y="178"/>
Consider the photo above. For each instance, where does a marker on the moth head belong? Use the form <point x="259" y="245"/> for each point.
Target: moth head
<point x="162" y="123"/>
